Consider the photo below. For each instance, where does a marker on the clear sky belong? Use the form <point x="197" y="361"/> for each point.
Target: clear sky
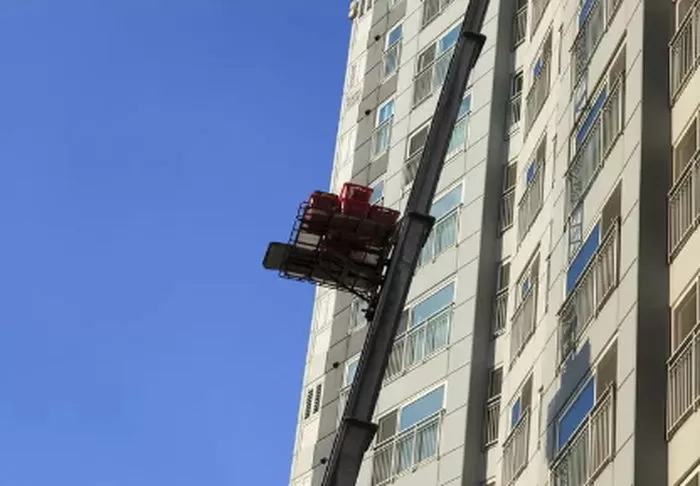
<point x="149" y="150"/>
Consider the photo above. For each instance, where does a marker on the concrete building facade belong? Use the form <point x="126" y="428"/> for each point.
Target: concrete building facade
<point x="551" y="333"/>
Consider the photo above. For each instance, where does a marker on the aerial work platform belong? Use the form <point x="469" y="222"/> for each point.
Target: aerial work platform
<point x="342" y="242"/>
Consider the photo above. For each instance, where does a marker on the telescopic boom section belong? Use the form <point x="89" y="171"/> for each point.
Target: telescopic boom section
<point x="356" y="430"/>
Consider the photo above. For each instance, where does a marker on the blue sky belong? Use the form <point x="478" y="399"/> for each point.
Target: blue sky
<point x="149" y="150"/>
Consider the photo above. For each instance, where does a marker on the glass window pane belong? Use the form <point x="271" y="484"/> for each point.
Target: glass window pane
<point x="590" y="118"/>
<point x="465" y="107"/>
<point x="576" y="414"/>
<point x="447" y="203"/>
<point x="394" y="35"/>
<point x="377" y="193"/>
<point x="350" y="370"/>
<point x="584" y="256"/>
<point x="450" y="39"/>
<point x="432" y="305"/>
<point x="422" y="408"/>
<point x="515" y="412"/>
<point x="385" y="112"/>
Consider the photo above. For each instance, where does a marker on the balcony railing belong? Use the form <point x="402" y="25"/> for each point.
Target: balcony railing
<point x="507" y="208"/>
<point x="419" y="343"/>
<point x="392" y="58"/>
<point x="500" y="312"/>
<point x="514" y="112"/>
<point x="431" y="77"/>
<point x="684" y="206"/>
<point x="685" y="50"/>
<point x="539" y="91"/>
<point x="520" y="26"/>
<point x="493" y="410"/>
<point x="406" y="450"/>
<point x="683" y="381"/>
<point x="433" y="8"/>
<point x="515" y="450"/>
<point x="531" y="201"/>
<point x="594" y="149"/>
<point x="410" y="168"/>
<point x="587" y="298"/>
<point x="524" y="320"/>
<point x="589" y="34"/>
<point x="381" y="137"/>
<point x="591" y="447"/>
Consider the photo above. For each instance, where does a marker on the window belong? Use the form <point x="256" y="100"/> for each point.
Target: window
<point x="495" y="383"/>
<point x="503" y="279"/>
<point x="392" y="51"/>
<point x="685" y="318"/>
<point x="312" y="400"/>
<point x="381" y="137"/>
<point x="444" y="232"/>
<point x="407" y="436"/>
<point x="538" y="8"/>
<point x="593" y="19"/>
<point x="357" y="318"/>
<point x="350" y="369"/>
<point x="532" y="198"/>
<point x="508" y="197"/>
<point x="432" y="65"/>
<point x="521" y="404"/>
<point x="493" y="406"/>
<point x="584" y="399"/>
<point x="424" y="329"/>
<point x="501" y="304"/>
<point x="683" y="8"/>
<point x="414" y="150"/>
<point x="377" y="193"/>
<point x="353" y="83"/>
<point x="586" y="251"/>
<point x="596" y="131"/>
<point x="539" y="88"/>
<point x="516" y="92"/>
<point x="433" y="8"/>
<point x="685" y="151"/>
<point x="519" y="22"/>
<point x="460" y="132"/>
<point x="575" y="231"/>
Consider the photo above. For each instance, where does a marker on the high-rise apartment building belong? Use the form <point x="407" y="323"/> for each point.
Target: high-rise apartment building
<point x="551" y="333"/>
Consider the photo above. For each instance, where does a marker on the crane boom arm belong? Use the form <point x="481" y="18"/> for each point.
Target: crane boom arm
<point x="356" y="429"/>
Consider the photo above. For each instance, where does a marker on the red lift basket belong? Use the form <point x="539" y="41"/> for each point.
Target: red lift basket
<point x="385" y="217"/>
<point x="321" y="207"/>
<point x="354" y="200"/>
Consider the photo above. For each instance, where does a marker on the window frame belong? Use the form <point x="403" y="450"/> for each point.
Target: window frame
<point x="461" y="117"/>
<point x="677" y="343"/>
<point x="410" y="401"/>
<point x="352" y="362"/>
<point x="455" y="211"/>
<point x="590" y="378"/>
<point x="388" y="45"/>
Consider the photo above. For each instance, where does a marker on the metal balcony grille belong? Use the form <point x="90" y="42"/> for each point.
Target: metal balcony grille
<point x="493" y="410"/>
<point x="684" y="206"/>
<point x="590" y="293"/>
<point x="531" y="201"/>
<point x="685" y="50"/>
<point x="590" y="156"/>
<point x="683" y="381"/>
<point x="591" y="447"/>
<point x="419" y="343"/>
<point x="515" y="450"/>
<point x="406" y="450"/>
<point x="524" y="320"/>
